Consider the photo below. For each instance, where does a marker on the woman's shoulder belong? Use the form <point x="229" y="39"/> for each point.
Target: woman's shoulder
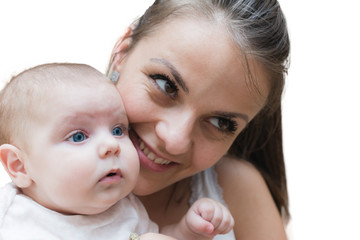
<point x="249" y="200"/>
<point x="239" y="178"/>
<point x="231" y="166"/>
<point x="232" y="170"/>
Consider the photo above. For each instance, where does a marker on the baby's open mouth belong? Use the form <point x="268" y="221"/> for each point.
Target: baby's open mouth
<point x="112" y="176"/>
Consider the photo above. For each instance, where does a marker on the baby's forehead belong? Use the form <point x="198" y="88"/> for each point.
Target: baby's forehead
<point x="79" y="104"/>
<point x="65" y="93"/>
<point x="77" y="91"/>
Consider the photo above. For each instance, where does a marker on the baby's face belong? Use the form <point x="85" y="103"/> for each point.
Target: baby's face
<point x="80" y="158"/>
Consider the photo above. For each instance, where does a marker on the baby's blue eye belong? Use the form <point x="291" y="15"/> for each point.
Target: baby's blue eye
<point x="77" y="137"/>
<point x="117" y="131"/>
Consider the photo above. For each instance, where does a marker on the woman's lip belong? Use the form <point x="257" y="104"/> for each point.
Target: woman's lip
<point x="145" y="161"/>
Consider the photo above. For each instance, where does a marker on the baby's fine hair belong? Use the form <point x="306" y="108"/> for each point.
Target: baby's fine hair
<point x="32" y="88"/>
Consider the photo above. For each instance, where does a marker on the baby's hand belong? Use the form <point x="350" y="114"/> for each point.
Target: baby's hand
<point x="208" y="218"/>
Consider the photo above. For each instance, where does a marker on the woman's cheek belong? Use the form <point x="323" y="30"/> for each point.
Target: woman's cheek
<point x="134" y="105"/>
<point x="214" y="153"/>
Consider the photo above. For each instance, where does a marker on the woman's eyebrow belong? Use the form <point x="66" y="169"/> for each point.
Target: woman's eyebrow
<point x="234" y="115"/>
<point x="173" y="71"/>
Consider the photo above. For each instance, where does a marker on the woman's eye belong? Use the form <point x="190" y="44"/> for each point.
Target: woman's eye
<point x="165" y="84"/>
<point x="223" y="124"/>
<point x="77" y="137"/>
<point x="117" y="131"/>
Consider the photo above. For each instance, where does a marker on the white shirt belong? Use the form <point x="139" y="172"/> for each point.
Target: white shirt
<point x="22" y="218"/>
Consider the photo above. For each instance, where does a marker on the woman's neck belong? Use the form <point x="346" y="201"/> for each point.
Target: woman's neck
<point x="168" y="205"/>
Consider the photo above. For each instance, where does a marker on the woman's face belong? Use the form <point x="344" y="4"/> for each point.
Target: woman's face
<point x="187" y="96"/>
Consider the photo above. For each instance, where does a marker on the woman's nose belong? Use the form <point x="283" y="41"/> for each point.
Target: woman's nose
<point x="176" y="133"/>
<point x="109" y="146"/>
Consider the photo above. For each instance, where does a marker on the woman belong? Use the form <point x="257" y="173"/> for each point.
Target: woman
<point x="202" y="81"/>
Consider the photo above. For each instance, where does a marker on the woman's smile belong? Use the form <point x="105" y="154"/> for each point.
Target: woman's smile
<point x="148" y="158"/>
<point x="149" y="154"/>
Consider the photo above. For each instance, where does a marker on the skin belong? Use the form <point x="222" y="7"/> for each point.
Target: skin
<point x="183" y="128"/>
<point x="104" y="147"/>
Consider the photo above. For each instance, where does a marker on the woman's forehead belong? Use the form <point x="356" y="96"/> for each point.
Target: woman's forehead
<point x="202" y="48"/>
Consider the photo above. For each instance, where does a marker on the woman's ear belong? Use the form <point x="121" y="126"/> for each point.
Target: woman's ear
<point x="13" y="162"/>
<point x="119" y="50"/>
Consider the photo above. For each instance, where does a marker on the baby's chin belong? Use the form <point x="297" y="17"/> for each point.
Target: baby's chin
<point x="89" y="210"/>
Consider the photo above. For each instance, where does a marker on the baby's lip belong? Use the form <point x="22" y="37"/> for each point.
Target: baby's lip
<point x="114" y="175"/>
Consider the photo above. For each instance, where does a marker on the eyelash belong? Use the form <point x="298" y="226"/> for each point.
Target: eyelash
<point x="70" y="138"/>
<point x="168" y="80"/>
<point x="125" y="129"/>
<point x="231" y="128"/>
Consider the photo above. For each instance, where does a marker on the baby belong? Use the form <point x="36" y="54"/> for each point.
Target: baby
<point x="65" y="145"/>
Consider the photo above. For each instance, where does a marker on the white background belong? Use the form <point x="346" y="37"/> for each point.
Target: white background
<point x="321" y="101"/>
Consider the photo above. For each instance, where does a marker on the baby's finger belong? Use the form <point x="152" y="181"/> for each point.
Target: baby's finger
<point x="227" y="222"/>
<point x="212" y="212"/>
<point x="198" y="224"/>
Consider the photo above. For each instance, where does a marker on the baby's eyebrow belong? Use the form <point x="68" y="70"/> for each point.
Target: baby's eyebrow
<point x="173" y="71"/>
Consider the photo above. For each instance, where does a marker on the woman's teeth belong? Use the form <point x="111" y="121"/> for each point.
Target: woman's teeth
<point x="151" y="155"/>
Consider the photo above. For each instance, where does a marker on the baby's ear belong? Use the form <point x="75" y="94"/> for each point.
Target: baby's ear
<point x="13" y="162"/>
